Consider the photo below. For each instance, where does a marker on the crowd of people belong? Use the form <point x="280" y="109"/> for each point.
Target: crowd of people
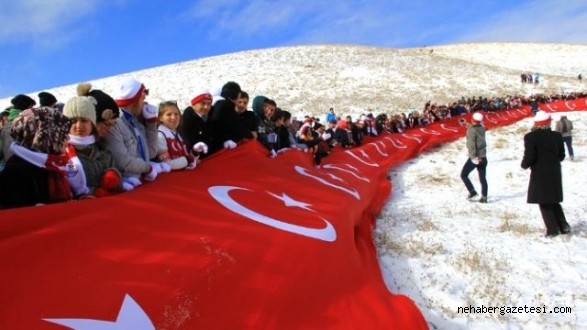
<point x="97" y="144"/>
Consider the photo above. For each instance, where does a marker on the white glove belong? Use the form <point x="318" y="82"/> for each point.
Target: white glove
<point x="165" y="167"/>
<point x="130" y="182"/>
<point x="475" y="160"/>
<point x="273" y="154"/>
<point x="191" y="165"/>
<point x="152" y="175"/>
<point x="156" y="166"/>
<point x="229" y="144"/>
<point x="133" y="181"/>
<point x="200" y="147"/>
<point x="326" y="136"/>
<point x="127" y="186"/>
<point x="149" y="112"/>
<point x="271" y="137"/>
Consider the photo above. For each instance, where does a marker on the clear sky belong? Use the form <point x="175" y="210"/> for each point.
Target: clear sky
<point x="51" y="43"/>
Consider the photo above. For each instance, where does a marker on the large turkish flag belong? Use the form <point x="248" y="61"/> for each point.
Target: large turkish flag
<point x="242" y="241"/>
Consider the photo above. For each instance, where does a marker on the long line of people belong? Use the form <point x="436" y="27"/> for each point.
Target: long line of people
<point x="97" y="145"/>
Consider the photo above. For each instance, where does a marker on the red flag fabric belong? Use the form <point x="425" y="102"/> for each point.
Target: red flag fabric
<point x="243" y="241"/>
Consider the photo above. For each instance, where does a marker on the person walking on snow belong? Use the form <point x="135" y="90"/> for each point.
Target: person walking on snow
<point x="477" y="152"/>
<point x="543" y="153"/>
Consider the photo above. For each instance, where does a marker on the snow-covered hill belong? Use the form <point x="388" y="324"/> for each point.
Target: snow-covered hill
<point x="311" y="79"/>
<point x="434" y="246"/>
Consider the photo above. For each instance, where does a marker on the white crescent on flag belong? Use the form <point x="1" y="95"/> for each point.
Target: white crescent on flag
<point x="222" y="195"/>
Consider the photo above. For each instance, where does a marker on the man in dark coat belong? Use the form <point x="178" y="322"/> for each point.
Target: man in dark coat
<point x="543" y="153"/>
<point x="227" y="127"/>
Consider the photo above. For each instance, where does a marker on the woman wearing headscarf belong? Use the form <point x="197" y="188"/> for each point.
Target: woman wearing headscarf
<point x="37" y="172"/>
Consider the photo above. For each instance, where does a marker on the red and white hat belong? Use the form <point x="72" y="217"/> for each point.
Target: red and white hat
<point x="201" y="96"/>
<point x="129" y="92"/>
<point x="541" y="118"/>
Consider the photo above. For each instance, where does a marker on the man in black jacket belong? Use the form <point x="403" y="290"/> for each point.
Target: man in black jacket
<point x="227" y="127"/>
<point x="543" y="153"/>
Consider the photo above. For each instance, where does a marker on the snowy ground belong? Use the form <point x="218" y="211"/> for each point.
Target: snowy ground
<point x="445" y="252"/>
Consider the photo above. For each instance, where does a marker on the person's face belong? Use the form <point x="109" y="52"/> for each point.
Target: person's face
<point x="268" y="110"/>
<point x="279" y="122"/>
<point x="81" y="127"/>
<point x="203" y="107"/>
<point x="241" y="104"/>
<point x="170" y="117"/>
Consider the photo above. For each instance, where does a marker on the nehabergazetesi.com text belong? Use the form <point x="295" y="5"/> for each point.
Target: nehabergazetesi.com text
<point x="503" y="310"/>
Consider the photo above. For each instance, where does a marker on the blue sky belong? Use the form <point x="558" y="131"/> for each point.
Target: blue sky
<point x="51" y="43"/>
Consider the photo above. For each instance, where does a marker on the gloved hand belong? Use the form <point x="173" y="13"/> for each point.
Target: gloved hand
<point x="149" y="112"/>
<point x="134" y="181"/>
<point x="229" y="144"/>
<point x="326" y="136"/>
<point x="200" y="147"/>
<point x="130" y="182"/>
<point x="127" y="186"/>
<point x="191" y="165"/>
<point x="273" y="154"/>
<point x="152" y="174"/>
<point x="156" y="167"/>
<point x="111" y="180"/>
<point x="165" y="167"/>
<point x="271" y="137"/>
<point x="476" y="160"/>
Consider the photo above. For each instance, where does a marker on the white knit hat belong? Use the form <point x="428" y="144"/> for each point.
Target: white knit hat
<point x="129" y="92"/>
<point x="478" y="116"/>
<point x="81" y="107"/>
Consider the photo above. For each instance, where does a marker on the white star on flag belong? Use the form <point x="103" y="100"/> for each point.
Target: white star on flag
<point x="130" y="316"/>
<point x="290" y="202"/>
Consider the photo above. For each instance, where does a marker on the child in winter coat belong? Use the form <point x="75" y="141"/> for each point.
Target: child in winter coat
<point x="171" y="148"/>
<point x="97" y="175"/>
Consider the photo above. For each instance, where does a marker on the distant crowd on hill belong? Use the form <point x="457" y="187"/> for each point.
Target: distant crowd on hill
<point x="96" y="145"/>
<point x="529" y="78"/>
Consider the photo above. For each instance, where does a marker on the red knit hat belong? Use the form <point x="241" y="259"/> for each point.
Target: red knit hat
<point x="201" y="97"/>
<point x="541" y="118"/>
<point x="129" y="92"/>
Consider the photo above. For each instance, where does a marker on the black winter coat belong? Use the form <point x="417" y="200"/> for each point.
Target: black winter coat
<point x="227" y="125"/>
<point x="194" y="129"/>
<point x="543" y="152"/>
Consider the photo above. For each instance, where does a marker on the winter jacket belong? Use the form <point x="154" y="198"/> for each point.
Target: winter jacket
<point x="569" y="127"/>
<point x="24" y="184"/>
<point x="124" y="144"/>
<point x="476" y="145"/>
<point x="227" y="125"/>
<point x="543" y="152"/>
<point x="193" y="129"/>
